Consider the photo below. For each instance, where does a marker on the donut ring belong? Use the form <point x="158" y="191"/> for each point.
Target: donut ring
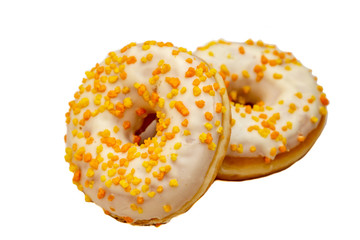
<point x="278" y="110"/>
<point x="137" y="175"/>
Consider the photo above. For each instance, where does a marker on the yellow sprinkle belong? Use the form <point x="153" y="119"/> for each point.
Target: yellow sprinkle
<point x="245" y="74"/>
<point x="287" y="68"/>
<point x="277" y="76"/>
<point x="323" y="111"/>
<point x="113" y="79"/>
<point x="108" y="183"/>
<point x="167" y="208"/>
<point x="111" y="172"/>
<point x="173" y="156"/>
<point x="299" y="95"/>
<point x="314" y="119"/>
<point x="90" y="172"/>
<point x="187" y="132"/>
<point x="145" y="188"/>
<point x="135" y="192"/>
<point x="183" y="90"/>
<point x="103" y="178"/>
<point x="202" y="137"/>
<point x="177" y="146"/>
<point x="208" y="126"/>
<point x="212" y="146"/>
<point x="252" y="149"/>
<point x="173" y="183"/>
<point x="151" y="194"/>
<point x="127" y="102"/>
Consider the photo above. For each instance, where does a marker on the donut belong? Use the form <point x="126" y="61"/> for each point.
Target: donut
<point x="147" y="132"/>
<point x="278" y="109"/>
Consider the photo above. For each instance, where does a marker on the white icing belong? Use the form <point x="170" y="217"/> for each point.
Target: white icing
<point x="270" y="91"/>
<point x="193" y="158"/>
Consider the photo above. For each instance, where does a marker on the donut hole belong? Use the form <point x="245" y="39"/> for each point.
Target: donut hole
<point x="147" y="128"/>
<point x="245" y="95"/>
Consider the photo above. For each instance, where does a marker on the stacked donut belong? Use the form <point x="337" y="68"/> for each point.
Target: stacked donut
<point x="149" y="129"/>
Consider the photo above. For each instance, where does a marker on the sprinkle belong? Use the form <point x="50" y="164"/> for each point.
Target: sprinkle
<point x="299" y="95"/>
<point x="324" y="100"/>
<point x="208" y="126"/>
<point x="301" y="138"/>
<point x="314" y="119"/>
<point x="167" y="208"/>
<point x="322" y="111"/>
<point x="241" y="50"/>
<point x="196" y="91"/>
<point x="208" y="116"/>
<point x="200" y="103"/>
<point x="177" y="146"/>
<point x="173" y="183"/>
<point x="181" y="108"/>
<point x="245" y="74"/>
<point x="101" y="193"/>
<point x="278" y="76"/>
<point x="252" y="149"/>
<point x="190" y="72"/>
<point x="273" y="151"/>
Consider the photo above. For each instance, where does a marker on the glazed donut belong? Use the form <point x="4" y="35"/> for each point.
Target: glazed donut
<point x="147" y="132"/>
<point x="278" y="110"/>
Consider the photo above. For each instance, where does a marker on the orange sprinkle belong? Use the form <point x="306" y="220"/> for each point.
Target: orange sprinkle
<point x="234" y="76"/>
<point x="248" y="109"/>
<point x="272" y="62"/>
<point x="190" y="72"/>
<point x="189" y="60"/>
<point x="111" y="197"/>
<point x="101" y="193"/>
<point x="77" y="175"/>
<point x="126" y="125"/>
<point x="264" y="60"/>
<point x="324" y="100"/>
<point x="274" y="134"/>
<point x="282" y="148"/>
<point x="174" y="82"/>
<point x="140" y="111"/>
<point x="208" y="116"/>
<point x="87" y="157"/>
<point x="140" y="200"/>
<point x="123" y="75"/>
<point x="196" y="82"/>
<point x="263" y="116"/>
<point x="301" y="138"/>
<point x="185" y="122"/>
<point x="216" y="86"/>
<point x="179" y="105"/>
<point x="200" y="103"/>
<point x="241" y="50"/>
<point x="218" y="107"/>
<point x="209" y="138"/>
<point x="124" y="49"/>
<point x="131" y="60"/>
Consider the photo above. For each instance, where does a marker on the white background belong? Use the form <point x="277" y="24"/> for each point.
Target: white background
<point x="47" y="46"/>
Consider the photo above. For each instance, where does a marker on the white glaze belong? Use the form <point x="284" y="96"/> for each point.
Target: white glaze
<point x="193" y="158"/>
<point x="270" y="91"/>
